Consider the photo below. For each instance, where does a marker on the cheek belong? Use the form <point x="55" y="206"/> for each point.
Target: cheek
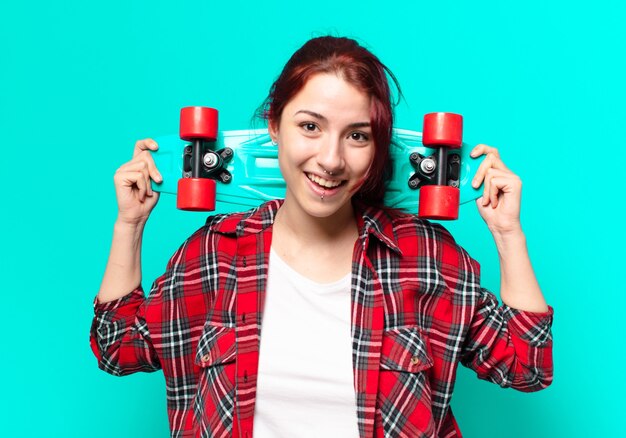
<point x="366" y="169"/>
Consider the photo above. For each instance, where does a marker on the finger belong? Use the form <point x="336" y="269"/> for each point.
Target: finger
<point x="145" y="164"/>
<point x="494" y="190"/>
<point x="481" y="172"/>
<point x="490" y="186"/>
<point x="133" y="168"/>
<point x="145" y="145"/>
<point x="501" y="182"/>
<point x="483" y="149"/>
<point x="486" y="190"/>
<point x="133" y="180"/>
<point x="153" y="172"/>
<point x="138" y="180"/>
<point x="491" y="161"/>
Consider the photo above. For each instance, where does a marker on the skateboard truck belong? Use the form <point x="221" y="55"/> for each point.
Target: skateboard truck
<point x="437" y="176"/>
<point x="213" y="163"/>
<point x="426" y="167"/>
<point x="201" y="164"/>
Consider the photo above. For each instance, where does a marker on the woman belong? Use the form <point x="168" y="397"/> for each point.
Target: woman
<point x="365" y="312"/>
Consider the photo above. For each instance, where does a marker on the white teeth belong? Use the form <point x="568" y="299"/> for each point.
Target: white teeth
<point x="322" y="182"/>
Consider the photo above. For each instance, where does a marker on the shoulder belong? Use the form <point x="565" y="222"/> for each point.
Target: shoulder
<point x="410" y="230"/>
<point x="200" y="257"/>
<point x="431" y="241"/>
<point x="221" y="231"/>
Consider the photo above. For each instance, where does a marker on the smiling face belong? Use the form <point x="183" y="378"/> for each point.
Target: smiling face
<point x="325" y="145"/>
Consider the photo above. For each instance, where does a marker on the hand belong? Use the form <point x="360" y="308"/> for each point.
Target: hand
<point x="135" y="198"/>
<point x="500" y="204"/>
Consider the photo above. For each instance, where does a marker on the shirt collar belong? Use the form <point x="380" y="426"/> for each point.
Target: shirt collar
<point x="376" y="221"/>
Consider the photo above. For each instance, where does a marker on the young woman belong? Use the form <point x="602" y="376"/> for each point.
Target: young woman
<point x="364" y="312"/>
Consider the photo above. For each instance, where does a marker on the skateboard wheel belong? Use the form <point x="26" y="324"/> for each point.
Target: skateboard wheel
<point x="439" y="202"/>
<point x="443" y="129"/>
<point x="198" y="122"/>
<point x="196" y="194"/>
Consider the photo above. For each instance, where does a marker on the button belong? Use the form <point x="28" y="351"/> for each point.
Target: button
<point x="206" y="358"/>
<point x="415" y="360"/>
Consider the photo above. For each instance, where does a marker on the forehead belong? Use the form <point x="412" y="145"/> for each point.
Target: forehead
<point x="330" y="95"/>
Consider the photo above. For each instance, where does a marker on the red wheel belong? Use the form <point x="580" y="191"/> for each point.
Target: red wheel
<point x="439" y="202"/>
<point x="198" y="122"/>
<point x="443" y="129"/>
<point x="196" y="194"/>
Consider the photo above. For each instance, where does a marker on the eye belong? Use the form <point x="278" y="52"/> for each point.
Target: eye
<point x="359" y="136"/>
<point x="308" y="126"/>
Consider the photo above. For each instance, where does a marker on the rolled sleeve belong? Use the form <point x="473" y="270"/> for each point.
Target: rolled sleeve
<point x="535" y="328"/>
<point x="119" y="336"/>
<point x="510" y="347"/>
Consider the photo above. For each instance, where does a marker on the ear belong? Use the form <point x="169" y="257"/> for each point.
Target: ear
<point x="272" y="129"/>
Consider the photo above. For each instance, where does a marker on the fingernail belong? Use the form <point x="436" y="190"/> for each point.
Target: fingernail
<point x="475" y="183"/>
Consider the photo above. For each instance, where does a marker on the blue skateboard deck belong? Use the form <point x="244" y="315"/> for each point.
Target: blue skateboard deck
<point x="255" y="176"/>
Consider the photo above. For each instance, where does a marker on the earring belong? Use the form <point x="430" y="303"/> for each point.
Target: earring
<point x="274" y="142"/>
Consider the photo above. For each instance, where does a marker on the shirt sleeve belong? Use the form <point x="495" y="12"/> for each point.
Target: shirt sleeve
<point x="510" y="347"/>
<point x="119" y="336"/>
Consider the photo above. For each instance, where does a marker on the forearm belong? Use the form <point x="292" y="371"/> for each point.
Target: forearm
<point x="123" y="270"/>
<point x="519" y="288"/>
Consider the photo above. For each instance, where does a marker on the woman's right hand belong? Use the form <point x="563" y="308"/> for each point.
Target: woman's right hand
<point x="135" y="197"/>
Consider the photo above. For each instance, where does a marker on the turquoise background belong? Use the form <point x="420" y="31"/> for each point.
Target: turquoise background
<point x="81" y="81"/>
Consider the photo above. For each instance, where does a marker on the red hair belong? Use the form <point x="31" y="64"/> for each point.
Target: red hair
<point x="360" y="68"/>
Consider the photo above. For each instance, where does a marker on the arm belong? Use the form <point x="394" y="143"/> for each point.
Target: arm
<point x="135" y="200"/>
<point x="500" y="208"/>
<point x="509" y="345"/>
<point x="119" y="332"/>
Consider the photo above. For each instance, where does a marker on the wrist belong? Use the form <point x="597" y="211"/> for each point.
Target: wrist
<point x="510" y="240"/>
<point x="128" y="228"/>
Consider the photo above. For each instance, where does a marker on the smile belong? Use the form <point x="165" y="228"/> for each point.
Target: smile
<point x="323" y="182"/>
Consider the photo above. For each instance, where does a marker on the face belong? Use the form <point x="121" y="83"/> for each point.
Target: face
<point x="325" y="146"/>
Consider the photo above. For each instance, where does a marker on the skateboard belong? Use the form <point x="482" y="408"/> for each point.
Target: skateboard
<point x="227" y="171"/>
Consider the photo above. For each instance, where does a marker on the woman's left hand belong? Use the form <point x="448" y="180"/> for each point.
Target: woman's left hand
<point x="500" y="204"/>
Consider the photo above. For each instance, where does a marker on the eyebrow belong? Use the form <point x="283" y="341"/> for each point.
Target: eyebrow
<point x="324" y="119"/>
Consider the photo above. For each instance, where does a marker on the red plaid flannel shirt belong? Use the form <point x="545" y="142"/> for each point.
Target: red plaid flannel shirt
<point x="417" y="311"/>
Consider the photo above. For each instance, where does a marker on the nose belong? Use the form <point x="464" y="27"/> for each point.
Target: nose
<point x="330" y="155"/>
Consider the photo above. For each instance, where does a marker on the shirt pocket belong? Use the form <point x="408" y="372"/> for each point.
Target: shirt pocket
<point x="404" y="393"/>
<point x="214" y="402"/>
<point x="405" y="349"/>
<point x="216" y="346"/>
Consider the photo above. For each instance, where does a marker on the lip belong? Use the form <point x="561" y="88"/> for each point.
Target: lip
<point x="319" y="191"/>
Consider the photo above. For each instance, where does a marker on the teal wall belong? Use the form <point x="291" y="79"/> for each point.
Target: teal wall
<point x="81" y="81"/>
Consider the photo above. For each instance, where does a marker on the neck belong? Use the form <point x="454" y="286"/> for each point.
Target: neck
<point x="316" y="230"/>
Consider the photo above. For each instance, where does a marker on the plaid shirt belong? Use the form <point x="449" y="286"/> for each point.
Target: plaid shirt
<point x="417" y="311"/>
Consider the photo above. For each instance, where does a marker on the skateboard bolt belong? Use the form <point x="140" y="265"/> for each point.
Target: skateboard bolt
<point x="413" y="184"/>
<point x="210" y="160"/>
<point x="414" y="157"/>
<point x="428" y="165"/>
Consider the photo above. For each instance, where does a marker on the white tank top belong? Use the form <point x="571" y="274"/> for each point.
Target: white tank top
<point x="305" y="385"/>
